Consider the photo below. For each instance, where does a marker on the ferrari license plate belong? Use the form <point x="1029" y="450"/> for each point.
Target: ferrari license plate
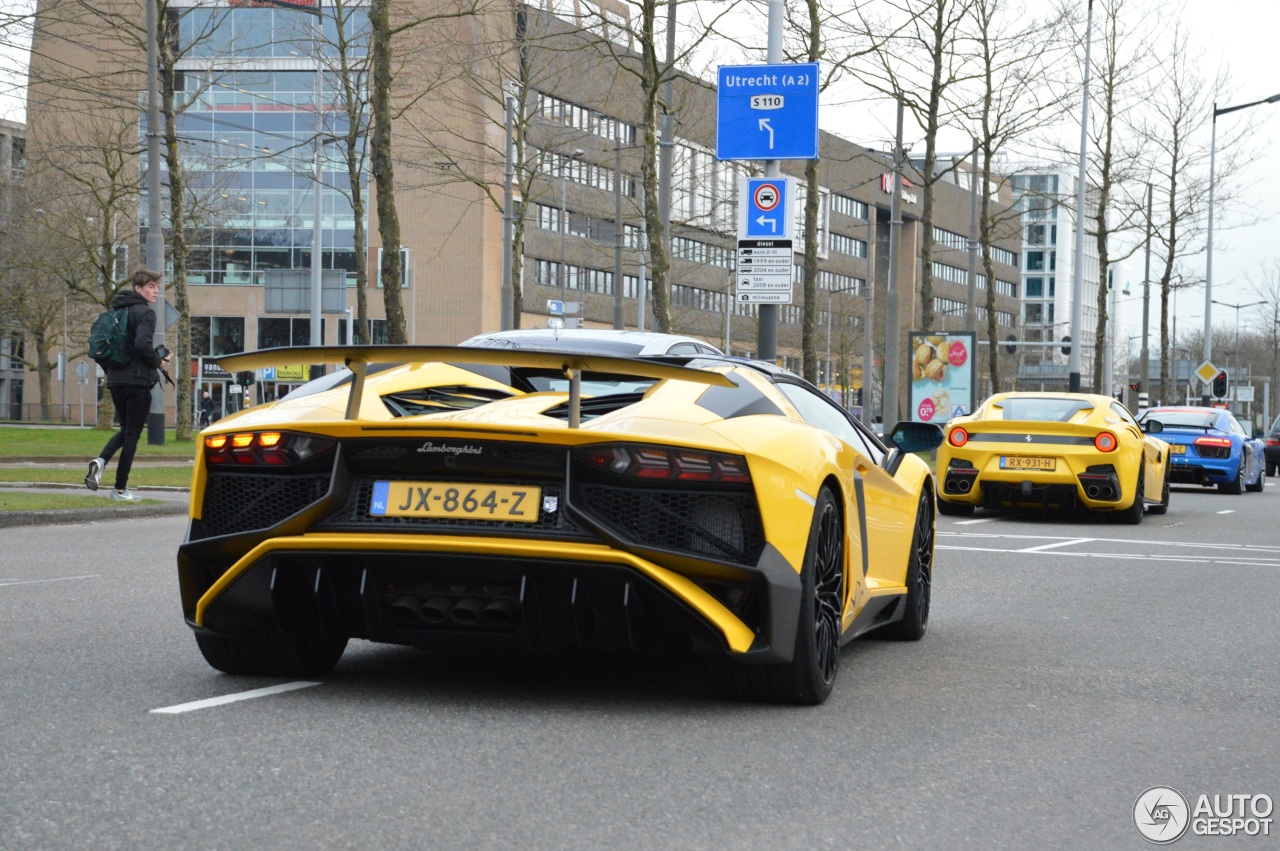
<point x="1026" y="462"/>
<point x="467" y="500"/>
<point x="1177" y="449"/>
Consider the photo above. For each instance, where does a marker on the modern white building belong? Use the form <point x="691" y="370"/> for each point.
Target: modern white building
<point x="1045" y="200"/>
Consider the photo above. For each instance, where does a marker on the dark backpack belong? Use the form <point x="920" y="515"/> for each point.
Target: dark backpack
<point x="110" y="340"/>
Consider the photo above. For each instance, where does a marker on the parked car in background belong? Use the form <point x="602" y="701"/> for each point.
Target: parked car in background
<point x="1271" y="448"/>
<point x="604" y="341"/>
<point x="1065" y="450"/>
<point x="1208" y="446"/>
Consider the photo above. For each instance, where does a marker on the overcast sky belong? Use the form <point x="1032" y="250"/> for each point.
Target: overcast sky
<point x="1238" y="33"/>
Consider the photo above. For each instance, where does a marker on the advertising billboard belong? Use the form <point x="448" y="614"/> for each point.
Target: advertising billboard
<point x="941" y="375"/>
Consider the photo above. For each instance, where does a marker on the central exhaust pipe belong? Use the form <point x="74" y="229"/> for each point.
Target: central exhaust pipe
<point x="435" y="610"/>
<point x="466" y="611"/>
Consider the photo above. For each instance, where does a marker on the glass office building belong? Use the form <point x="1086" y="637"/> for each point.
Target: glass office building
<point x="260" y="105"/>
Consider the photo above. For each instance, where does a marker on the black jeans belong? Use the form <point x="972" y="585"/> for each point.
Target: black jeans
<point x="133" y="404"/>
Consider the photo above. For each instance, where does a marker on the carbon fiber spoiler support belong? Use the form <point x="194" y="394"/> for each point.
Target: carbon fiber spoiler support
<point x="571" y="364"/>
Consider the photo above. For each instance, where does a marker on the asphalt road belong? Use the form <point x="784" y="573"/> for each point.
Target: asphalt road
<point x="1069" y="666"/>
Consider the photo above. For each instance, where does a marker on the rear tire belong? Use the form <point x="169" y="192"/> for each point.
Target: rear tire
<point x="1236" y="486"/>
<point x="915" y="615"/>
<point x="1133" y="514"/>
<point x="272" y="656"/>
<point x="1164" y="500"/>
<point x="808" y="678"/>
<point x="954" y="509"/>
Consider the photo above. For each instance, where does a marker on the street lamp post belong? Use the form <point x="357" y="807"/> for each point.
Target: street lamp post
<point x="1208" y="259"/>
<point x="1237" y="307"/>
<point x="564" y="215"/>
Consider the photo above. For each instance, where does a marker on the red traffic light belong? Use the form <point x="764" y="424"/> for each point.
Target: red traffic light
<point x="1218" y="389"/>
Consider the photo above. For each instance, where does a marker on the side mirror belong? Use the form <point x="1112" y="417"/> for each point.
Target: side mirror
<point x="910" y="436"/>
<point x="1153" y="426"/>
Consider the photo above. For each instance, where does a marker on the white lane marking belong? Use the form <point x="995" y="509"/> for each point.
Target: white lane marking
<point x="1259" y="562"/>
<point x="1228" y="511"/>
<point x="1260" y="548"/>
<point x="231" y="698"/>
<point x="1043" y="547"/>
<point x="971" y="522"/>
<point x="5" y="582"/>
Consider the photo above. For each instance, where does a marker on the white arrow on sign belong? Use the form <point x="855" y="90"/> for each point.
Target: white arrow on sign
<point x="773" y="223"/>
<point x="765" y="125"/>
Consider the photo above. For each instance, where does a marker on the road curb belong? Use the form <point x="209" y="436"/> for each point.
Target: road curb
<point x="55" y="516"/>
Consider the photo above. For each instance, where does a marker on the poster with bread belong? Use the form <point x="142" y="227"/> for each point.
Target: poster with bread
<point x="941" y="380"/>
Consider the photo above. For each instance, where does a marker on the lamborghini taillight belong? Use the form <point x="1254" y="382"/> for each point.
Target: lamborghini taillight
<point x="263" y="448"/>
<point x="667" y="463"/>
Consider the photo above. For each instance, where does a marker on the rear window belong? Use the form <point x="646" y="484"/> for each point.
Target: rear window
<point x="1184" y="419"/>
<point x="1048" y="410"/>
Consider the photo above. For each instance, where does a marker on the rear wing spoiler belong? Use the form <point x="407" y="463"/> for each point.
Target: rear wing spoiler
<point x="571" y="364"/>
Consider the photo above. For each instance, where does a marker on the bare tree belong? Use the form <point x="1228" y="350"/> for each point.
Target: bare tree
<point x="921" y="66"/>
<point x="1121" y="73"/>
<point x="1019" y="93"/>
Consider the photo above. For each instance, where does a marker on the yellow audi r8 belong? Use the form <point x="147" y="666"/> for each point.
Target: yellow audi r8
<point x="484" y="499"/>
<point x="1067" y="450"/>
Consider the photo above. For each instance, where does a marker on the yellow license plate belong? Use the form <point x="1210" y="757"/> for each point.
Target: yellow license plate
<point x="1027" y="462"/>
<point x="467" y="500"/>
<point x="1177" y="449"/>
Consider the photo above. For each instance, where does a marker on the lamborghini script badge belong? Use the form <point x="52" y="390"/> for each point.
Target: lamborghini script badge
<point x="451" y="450"/>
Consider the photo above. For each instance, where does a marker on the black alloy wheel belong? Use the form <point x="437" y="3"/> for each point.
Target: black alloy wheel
<point x="1133" y="514"/>
<point x="915" y="616"/>
<point x="808" y="678"/>
<point x="1164" y="499"/>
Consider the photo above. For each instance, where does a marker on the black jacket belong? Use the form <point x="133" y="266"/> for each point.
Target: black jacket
<point x="141" y="370"/>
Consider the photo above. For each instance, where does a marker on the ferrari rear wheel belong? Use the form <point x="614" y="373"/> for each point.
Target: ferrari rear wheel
<point x="1133" y="514"/>
<point x="915" y="616"/>
<point x="1164" y="500"/>
<point x="1236" y="485"/>
<point x="273" y="656"/>
<point x="954" y="509"/>
<point x="808" y="678"/>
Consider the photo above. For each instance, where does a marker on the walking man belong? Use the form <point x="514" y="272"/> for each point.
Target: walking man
<point x="131" y="384"/>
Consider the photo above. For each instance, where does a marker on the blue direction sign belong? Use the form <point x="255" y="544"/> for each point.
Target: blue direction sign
<point x="765" y="208"/>
<point x="767" y="112"/>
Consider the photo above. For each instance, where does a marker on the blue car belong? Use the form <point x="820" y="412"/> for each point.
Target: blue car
<point x="1208" y="446"/>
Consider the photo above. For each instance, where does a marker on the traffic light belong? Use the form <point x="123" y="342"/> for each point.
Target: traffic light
<point x="1066" y="349"/>
<point x="1135" y="386"/>
<point x="1219" y="388"/>
<point x="244" y="378"/>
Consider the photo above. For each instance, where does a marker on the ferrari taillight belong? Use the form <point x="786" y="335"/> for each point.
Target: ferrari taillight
<point x="263" y="448"/>
<point x="958" y="436"/>
<point x="668" y="463"/>
<point x="1105" y="441"/>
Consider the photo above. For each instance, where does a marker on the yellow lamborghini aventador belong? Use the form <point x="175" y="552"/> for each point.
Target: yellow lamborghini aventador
<point x="1068" y="450"/>
<point x="526" y="500"/>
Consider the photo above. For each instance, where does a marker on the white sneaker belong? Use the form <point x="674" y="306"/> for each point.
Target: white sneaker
<point x="125" y="495"/>
<point x="94" y="476"/>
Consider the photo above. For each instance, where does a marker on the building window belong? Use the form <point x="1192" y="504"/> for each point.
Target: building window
<point x="1033" y="313"/>
<point x="1033" y="288"/>
<point x="848" y="245"/>
<point x="848" y="207"/>
<point x="216" y="335"/>
<point x="275" y="332"/>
